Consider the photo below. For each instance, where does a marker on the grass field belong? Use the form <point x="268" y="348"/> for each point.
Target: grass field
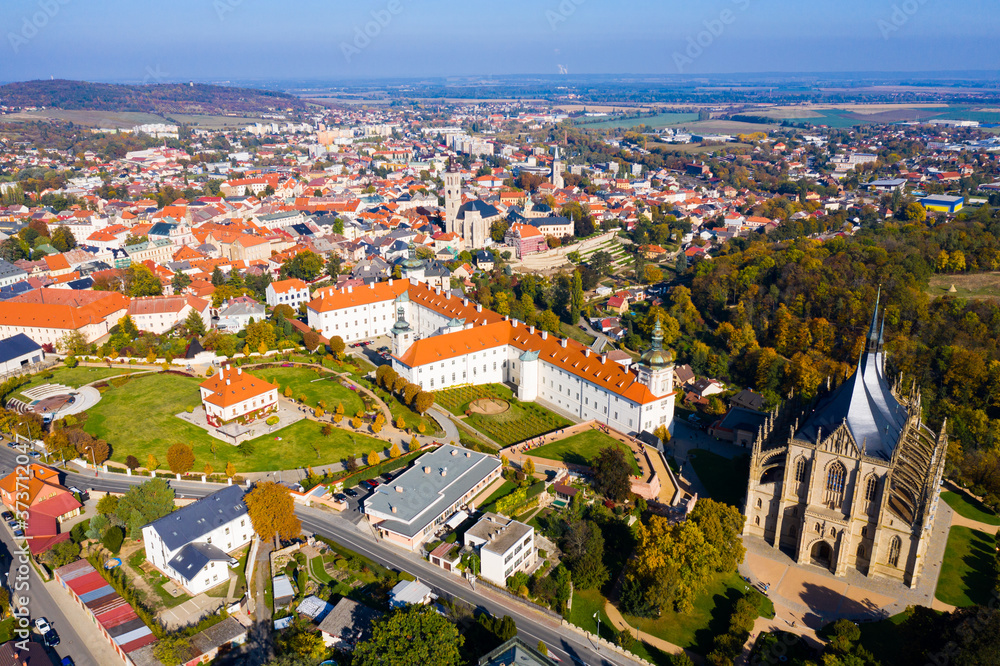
<point x="725" y="479"/>
<point x="314" y="385"/>
<point x="968" y="285"/>
<point x="139" y="419"/>
<point x="125" y="119"/>
<point x="967" y="570"/>
<point x="655" y="122"/>
<point x="580" y="449"/>
<point x="969" y="507"/>
<point x="505" y="488"/>
<point x="577" y="334"/>
<point x="74" y="377"/>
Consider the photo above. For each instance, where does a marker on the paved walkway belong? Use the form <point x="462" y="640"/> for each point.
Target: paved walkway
<point x="660" y="644"/>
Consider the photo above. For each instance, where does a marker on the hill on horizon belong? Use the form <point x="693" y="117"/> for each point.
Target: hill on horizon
<point x="195" y="98"/>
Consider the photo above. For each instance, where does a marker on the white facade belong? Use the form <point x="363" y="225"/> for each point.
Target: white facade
<point x="505" y="547"/>
<point x="287" y="292"/>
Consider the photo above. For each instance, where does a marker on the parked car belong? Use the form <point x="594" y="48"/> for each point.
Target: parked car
<point x="84" y="495"/>
<point x="42" y="624"/>
<point x="19" y="533"/>
<point x="13" y="523"/>
<point x="340" y="497"/>
<point x="369" y="484"/>
<point x="51" y="638"/>
<point x="7" y="515"/>
<point x="351" y="492"/>
<point x="67" y="661"/>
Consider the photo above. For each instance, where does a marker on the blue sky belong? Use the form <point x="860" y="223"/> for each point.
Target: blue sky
<point x="214" y="40"/>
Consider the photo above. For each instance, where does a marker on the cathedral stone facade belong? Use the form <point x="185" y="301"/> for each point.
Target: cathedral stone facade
<point x="850" y="479"/>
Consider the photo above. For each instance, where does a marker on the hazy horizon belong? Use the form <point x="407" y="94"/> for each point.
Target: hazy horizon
<point x="243" y="40"/>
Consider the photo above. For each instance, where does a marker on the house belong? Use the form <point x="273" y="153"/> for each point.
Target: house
<point x="485" y="260"/>
<point x="410" y="593"/>
<point x="234" y="394"/>
<point x="23" y="653"/>
<point x="505" y="547"/>
<point x="159" y="314"/>
<point x="748" y="400"/>
<point x="564" y="492"/>
<point x="47" y="315"/>
<point x="235" y="315"/>
<point x="706" y="387"/>
<point x="525" y="239"/>
<point x="289" y="292"/>
<point x="217" y="639"/>
<point x="9" y="273"/>
<point x="683" y="374"/>
<point x="19" y="353"/>
<point x="348" y="624"/>
<point x="191" y="546"/>
<point x="618" y="303"/>
<point x="515" y="652"/>
<point x="46" y="502"/>
<point x="740" y="426"/>
<point x="408" y="510"/>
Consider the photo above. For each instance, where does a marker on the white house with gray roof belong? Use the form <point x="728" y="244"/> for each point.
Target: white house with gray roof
<point x="505" y="546"/>
<point x="408" y="510"/>
<point x="191" y="546"/>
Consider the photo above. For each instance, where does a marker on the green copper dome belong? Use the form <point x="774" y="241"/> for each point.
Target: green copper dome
<point x="656" y="356"/>
<point x="412" y="262"/>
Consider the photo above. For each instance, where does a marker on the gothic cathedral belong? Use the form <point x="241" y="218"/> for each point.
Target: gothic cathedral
<point x="851" y="478"/>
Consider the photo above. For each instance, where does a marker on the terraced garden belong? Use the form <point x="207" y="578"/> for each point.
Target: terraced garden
<point x="521" y="421"/>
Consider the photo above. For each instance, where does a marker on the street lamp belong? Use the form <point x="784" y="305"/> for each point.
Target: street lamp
<point x="597" y="616"/>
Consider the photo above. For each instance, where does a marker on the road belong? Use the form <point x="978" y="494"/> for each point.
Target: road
<point x="533" y="627"/>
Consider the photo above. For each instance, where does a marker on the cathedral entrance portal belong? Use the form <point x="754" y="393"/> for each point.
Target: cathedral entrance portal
<point x="821" y="554"/>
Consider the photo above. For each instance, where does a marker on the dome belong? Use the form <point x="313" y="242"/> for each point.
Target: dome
<point x="656" y="356"/>
<point x="412" y="262"/>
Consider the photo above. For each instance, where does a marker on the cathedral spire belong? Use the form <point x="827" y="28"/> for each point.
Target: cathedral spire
<point x="873" y="329"/>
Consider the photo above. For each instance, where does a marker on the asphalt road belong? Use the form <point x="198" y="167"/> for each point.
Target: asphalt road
<point x="568" y="646"/>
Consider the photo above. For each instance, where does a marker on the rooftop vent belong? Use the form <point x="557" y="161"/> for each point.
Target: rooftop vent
<point x="454" y="452"/>
<point x="468" y="454"/>
<point x="394" y="509"/>
<point x="427" y="470"/>
<point x="399" y="489"/>
<point x="444" y="471"/>
<point x="545" y="335"/>
<point x="586" y="352"/>
<point x="563" y="342"/>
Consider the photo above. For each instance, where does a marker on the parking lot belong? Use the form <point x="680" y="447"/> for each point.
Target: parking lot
<point x="377" y="350"/>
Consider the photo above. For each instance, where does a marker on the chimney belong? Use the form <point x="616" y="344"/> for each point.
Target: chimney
<point x="514" y="322"/>
<point x="350" y="289"/>
<point x="468" y="454"/>
<point x="545" y="335"/>
<point x="399" y="489"/>
<point x="393" y="508"/>
<point x="220" y="373"/>
<point x="586" y="352"/>
<point x="604" y="357"/>
<point x="390" y="282"/>
<point x="563" y="342"/>
<point x="239" y="371"/>
<point x="479" y="307"/>
<point x="531" y="329"/>
<point x="228" y="381"/>
<point x="465" y="301"/>
<point x="454" y="452"/>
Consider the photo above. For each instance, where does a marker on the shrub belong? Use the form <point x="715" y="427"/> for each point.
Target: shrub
<point x="113" y="539"/>
<point x="272" y="420"/>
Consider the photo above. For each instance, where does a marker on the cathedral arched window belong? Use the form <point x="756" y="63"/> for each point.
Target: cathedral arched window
<point x="833" y="533"/>
<point x="871" y="488"/>
<point x="819" y="528"/>
<point x="759" y="503"/>
<point x="835" y="480"/>
<point x="756" y="521"/>
<point x="861" y="550"/>
<point x="800" y="470"/>
<point x="894" y="547"/>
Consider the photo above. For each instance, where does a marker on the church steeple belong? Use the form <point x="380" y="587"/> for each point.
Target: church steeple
<point x="874" y="334"/>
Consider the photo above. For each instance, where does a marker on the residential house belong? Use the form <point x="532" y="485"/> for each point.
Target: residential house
<point x="618" y="303"/>
<point x="10" y="274"/>
<point x="236" y="314"/>
<point x="348" y="624"/>
<point x="191" y="546"/>
<point x="505" y="546"/>
<point x="159" y="314"/>
<point x="291" y="292"/>
<point x="47" y="503"/>
<point x="18" y="354"/>
<point x="410" y="593"/>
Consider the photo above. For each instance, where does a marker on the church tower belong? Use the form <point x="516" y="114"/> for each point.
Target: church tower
<point x="656" y="368"/>
<point x="557" y="171"/>
<point x="452" y="198"/>
<point x="402" y="334"/>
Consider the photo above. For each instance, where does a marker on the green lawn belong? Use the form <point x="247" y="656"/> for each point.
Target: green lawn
<point x="967" y="570"/>
<point x="157" y="398"/>
<point x="411" y="419"/>
<point x="523" y="420"/>
<point x="318" y="571"/>
<point x="968" y="506"/>
<point x="587" y="603"/>
<point x="505" y="489"/>
<point x="580" y="449"/>
<point x="7" y="629"/>
<point x="315" y="385"/>
<point x="724" y="478"/>
<point x="74" y="377"/>
<point x="577" y="333"/>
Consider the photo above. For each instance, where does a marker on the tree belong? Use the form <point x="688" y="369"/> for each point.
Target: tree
<point x="412" y="636"/>
<point x="584" y="548"/>
<point x="721" y="525"/>
<point x="662" y="434"/>
<point x="230" y="469"/>
<point x="652" y="274"/>
<point x="272" y="512"/>
<point x="151" y="462"/>
<point x="194" y="324"/>
<point x="140" y="281"/>
<point x="218" y="279"/>
<point x="378" y="423"/>
<point x="306" y="265"/>
<point x="394" y="451"/>
<point x="410" y="392"/>
<point x="337" y="347"/>
<point x="180" y="458"/>
<point x="61" y="554"/>
<point x="94" y="450"/>
<point x="127" y="327"/>
<point x="528" y="467"/>
<point x="612" y="473"/>
<point x="423" y="401"/>
<point x="373" y="459"/>
<point x="63" y="239"/>
<point x="108" y="505"/>
<point x="143" y="504"/>
<point x="180" y="281"/>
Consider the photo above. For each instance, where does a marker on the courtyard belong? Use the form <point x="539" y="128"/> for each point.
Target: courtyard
<point x="499" y="415"/>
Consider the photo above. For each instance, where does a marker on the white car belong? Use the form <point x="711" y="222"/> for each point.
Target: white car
<point x="42" y="625"/>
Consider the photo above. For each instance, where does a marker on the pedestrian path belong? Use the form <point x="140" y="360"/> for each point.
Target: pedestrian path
<point x="664" y="646"/>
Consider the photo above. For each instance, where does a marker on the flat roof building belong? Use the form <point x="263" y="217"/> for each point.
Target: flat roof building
<point x="407" y="510"/>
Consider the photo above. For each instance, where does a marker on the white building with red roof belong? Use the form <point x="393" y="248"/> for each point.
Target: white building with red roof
<point x="233" y="394"/>
<point x="289" y="292"/>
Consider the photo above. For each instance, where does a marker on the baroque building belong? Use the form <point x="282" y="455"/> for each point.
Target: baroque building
<point x="850" y="479"/>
